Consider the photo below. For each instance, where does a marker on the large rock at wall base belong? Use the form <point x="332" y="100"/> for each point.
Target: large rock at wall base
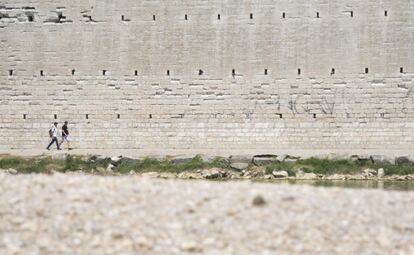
<point x="361" y="158"/>
<point x="287" y="158"/>
<point x="280" y="174"/>
<point x="381" y="173"/>
<point x="403" y="160"/>
<point x="262" y="160"/>
<point x="126" y="160"/>
<point x="223" y="162"/>
<point x="239" y="166"/>
<point x="116" y="160"/>
<point x="181" y="159"/>
<point x="382" y="159"/>
<point x="240" y="159"/>
<point x="99" y="159"/>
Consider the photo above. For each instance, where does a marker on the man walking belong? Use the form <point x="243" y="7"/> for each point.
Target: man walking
<point x="53" y="132"/>
<point x="65" y="135"/>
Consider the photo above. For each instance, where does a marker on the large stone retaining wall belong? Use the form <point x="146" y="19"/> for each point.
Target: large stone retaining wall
<point x="208" y="74"/>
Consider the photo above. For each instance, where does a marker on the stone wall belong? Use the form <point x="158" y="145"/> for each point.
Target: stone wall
<point x="208" y="74"/>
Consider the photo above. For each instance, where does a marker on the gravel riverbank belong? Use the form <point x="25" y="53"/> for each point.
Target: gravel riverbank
<point x="86" y="214"/>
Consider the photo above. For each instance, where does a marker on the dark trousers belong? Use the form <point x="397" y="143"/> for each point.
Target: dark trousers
<point x="54" y="140"/>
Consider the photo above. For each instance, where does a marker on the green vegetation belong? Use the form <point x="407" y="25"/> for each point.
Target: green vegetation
<point x="91" y="164"/>
<point x="343" y="166"/>
<point x="33" y="165"/>
<point x="46" y="164"/>
<point x="72" y="163"/>
<point x="168" y="165"/>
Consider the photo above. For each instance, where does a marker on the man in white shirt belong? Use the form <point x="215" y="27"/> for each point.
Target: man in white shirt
<point x="54" y="132"/>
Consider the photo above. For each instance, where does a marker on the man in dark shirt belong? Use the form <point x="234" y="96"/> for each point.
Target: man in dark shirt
<point x="65" y="134"/>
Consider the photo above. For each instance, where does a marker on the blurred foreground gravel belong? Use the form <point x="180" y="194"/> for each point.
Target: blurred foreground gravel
<point x="69" y="214"/>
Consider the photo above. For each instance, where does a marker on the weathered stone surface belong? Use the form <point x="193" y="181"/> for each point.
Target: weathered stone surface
<point x="382" y="159"/>
<point x="240" y="159"/>
<point x="239" y="166"/>
<point x="132" y="80"/>
<point x="116" y="160"/>
<point x="287" y="158"/>
<point x="266" y="159"/>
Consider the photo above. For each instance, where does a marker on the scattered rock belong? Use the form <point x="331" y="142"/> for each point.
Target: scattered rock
<point x="99" y="159"/>
<point x="116" y="160"/>
<point x="211" y="173"/>
<point x="268" y="177"/>
<point x="12" y="171"/>
<point x="189" y="175"/>
<point x="258" y="200"/>
<point x="409" y="177"/>
<point x="369" y="172"/>
<point x="381" y="173"/>
<point x="262" y="160"/>
<point x="109" y="169"/>
<point x="280" y="174"/>
<point x="239" y="166"/>
<point x="253" y="173"/>
<point x="191" y="247"/>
